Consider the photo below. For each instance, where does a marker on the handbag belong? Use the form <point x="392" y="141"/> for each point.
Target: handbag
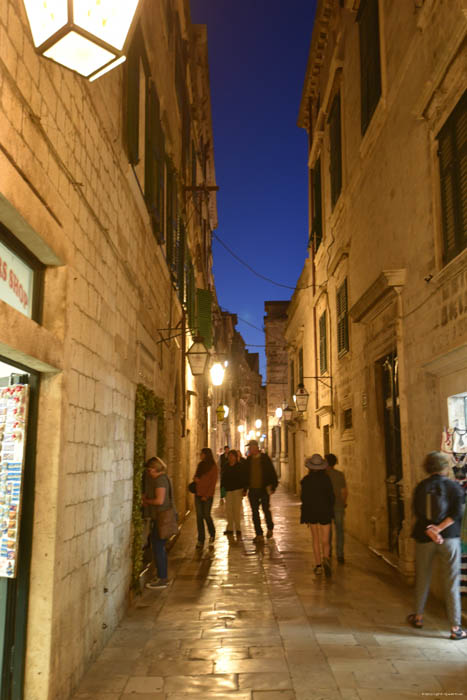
<point x="192" y="487"/>
<point x="166" y="523"/>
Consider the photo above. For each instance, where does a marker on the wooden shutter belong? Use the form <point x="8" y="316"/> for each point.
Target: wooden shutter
<point x="317" y="226"/>
<point x="453" y="180"/>
<point x="370" y="60"/>
<point x="154" y="163"/>
<point x="336" y="149"/>
<point x="323" y="350"/>
<point x="190" y="294"/>
<point x="132" y="102"/>
<point x="300" y="366"/>
<point x="204" y="315"/>
<point x="342" y="319"/>
<point x="181" y="257"/>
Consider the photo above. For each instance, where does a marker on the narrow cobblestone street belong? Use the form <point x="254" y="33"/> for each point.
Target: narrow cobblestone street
<point x="253" y="623"/>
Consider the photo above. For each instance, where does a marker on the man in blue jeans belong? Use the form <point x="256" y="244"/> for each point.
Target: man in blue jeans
<point x="261" y="480"/>
<point x="339" y="487"/>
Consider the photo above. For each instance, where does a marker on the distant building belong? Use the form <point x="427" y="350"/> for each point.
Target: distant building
<point x="277" y="393"/>
<point x="383" y="324"/>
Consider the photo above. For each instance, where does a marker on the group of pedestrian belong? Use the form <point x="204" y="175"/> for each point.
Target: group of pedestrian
<point x="438" y="506"/>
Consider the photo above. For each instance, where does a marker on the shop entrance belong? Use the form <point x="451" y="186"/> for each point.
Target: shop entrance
<point x="18" y="423"/>
<point x="389" y="366"/>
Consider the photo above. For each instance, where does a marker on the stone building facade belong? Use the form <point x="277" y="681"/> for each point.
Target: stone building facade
<point x="378" y="332"/>
<point x="275" y="322"/>
<point x="107" y="199"/>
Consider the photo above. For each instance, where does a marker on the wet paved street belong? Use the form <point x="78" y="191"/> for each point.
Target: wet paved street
<point x="253" y="623"/>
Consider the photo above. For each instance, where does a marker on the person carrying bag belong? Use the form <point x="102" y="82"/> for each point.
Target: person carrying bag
<point x="159" y="500"/>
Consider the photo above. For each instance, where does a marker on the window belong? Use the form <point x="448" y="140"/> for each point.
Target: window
<point x="342" y="319"/>
<point x="370" y="61"/>
<point x="292" y="378"/>
<point x="154" y="164"/>
<point x="323" y="352"/>
<point x="453" y="175"/>
<point x="347" y="419"/>
<point x="204" y="315"/>
<point x="335" y="167"/>
<point x="317" y="221"/>
<point x="171" y="215"/>
<point x="300" y="366"/>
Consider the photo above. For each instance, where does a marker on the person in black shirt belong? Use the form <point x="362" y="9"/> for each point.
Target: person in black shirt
<point x="233" y="482"/>
<point x="438" y="534"/>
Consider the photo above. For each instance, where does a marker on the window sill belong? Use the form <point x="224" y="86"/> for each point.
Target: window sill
<point x="347" y="435"/>
<point x="453" y="268"/>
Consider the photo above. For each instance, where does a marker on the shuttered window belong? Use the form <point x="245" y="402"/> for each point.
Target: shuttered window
<point x="342" y="319"/>
<point x="317" y="222"/>
<point x="190" y="294"/>
<point x="171" y="216"/>
<point x="204" y="315"/>
<point x="370" y="61"/>
<point x="292" y="378"/>
<point x="179" y="260"/>
<point x="323" y="348"/>
<point x="300" y="366"/>
<point x="154" y="164"/>
<point x="335" y="166"/>
<point x="452" y="152"/>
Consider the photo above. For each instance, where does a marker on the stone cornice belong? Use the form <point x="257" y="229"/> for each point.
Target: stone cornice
<point x="386" y="283"/>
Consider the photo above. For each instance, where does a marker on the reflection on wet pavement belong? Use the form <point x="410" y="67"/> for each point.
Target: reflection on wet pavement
<point x="252" y="622"/>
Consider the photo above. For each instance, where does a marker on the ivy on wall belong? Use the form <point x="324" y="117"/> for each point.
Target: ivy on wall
<point x="146" y="404"/>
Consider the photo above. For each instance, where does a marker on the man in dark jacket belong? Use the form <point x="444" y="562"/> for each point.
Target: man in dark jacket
<point x="261" y="480"/>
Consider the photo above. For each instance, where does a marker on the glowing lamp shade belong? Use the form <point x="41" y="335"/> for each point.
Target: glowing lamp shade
<point x="258" y="423"/>
<point x="301" y="398"/>
<point x="226" y="411"/>
<point x="217" y="374"/>
<point x="278" y="412"/>
<point x="197" y="356"/>
<point x="86" y="36"/>
<point x="241" y="429"/>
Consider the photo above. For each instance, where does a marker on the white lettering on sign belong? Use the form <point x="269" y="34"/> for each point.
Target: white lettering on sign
<point x="16" y="280"/>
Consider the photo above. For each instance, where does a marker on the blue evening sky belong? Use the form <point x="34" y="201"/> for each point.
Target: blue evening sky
<point x="258" y="51"/>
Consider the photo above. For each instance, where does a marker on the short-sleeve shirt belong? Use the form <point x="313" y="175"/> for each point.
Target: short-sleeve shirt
<point x="338" y="483"/>
<point x="162" y="481"/>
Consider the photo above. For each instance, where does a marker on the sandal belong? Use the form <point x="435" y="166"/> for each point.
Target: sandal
<point x="459" y="633"/>
<point x="414" y="621"/>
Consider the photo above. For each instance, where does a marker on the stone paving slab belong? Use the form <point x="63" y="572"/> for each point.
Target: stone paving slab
<point x="242" y="622"/>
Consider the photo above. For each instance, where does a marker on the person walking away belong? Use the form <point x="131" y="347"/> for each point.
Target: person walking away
<point x="317" y="496"/>
<point x="261" y="481"/>
<point x="438" y="508"/>
<point x="223" y="461"/>
<point x="233" y="482"/>
<point x="157" y="497"/>
<point x="205" y="479"/>
<point x="339" y="487"/>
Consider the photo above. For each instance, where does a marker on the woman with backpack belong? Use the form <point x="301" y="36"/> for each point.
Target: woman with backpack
<point x="205" y="479"/>
<point x="438" y="508"/>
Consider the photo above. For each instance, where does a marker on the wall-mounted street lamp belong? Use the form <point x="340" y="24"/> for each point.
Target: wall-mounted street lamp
<point x="217" y="374"/>
<point x="241" y="429"/>
<point x="287" y="413"/>
<point x="258" y="423"/>
<point x="278" y="412"/>
<point x="301" y="398"/>
<point x="197" y="356"/>
<point x="89" y="37"/>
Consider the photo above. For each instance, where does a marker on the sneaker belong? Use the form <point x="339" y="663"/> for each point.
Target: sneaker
<point x="258" y="538"/>
<point x="269" y="534"/>
<point x="199" y="544"/>
<point x="318" y="570"/>
<point x="158" y="583"/>
<point x="228" y="532"/>
<point x="327" y="567"/>
<point x="211" y="539"/>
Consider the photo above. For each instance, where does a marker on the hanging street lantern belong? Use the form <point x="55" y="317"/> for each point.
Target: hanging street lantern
<point x="278" y="413"/>
<point x="197" y="356"/>
<point x="220" y="413"/>
<point x="301" y="398"/>
<point x="217" y="374"/>
<point x="287" y="413"/>
<point x="89" y="37"/>
<point x="258" y="423"/>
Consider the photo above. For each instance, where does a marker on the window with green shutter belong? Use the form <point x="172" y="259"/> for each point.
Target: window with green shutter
<point x="179" y="261"/>
<point x="317" y="221"/>
<point x="171" y="214"/>
<point x="370" y="60"/>
<point x="452" y="140"/>
<point x="204" y="315"/>
<point x="342" y="313"/>
<point x="335" y="165"/>
<point x="323" y="349"/>
<point x="300" y="366"/>
<point x="190" y="294"/>
<point x="154" y="164"/>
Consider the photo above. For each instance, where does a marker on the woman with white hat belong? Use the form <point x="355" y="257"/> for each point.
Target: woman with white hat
<point x="318" y="509"/>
